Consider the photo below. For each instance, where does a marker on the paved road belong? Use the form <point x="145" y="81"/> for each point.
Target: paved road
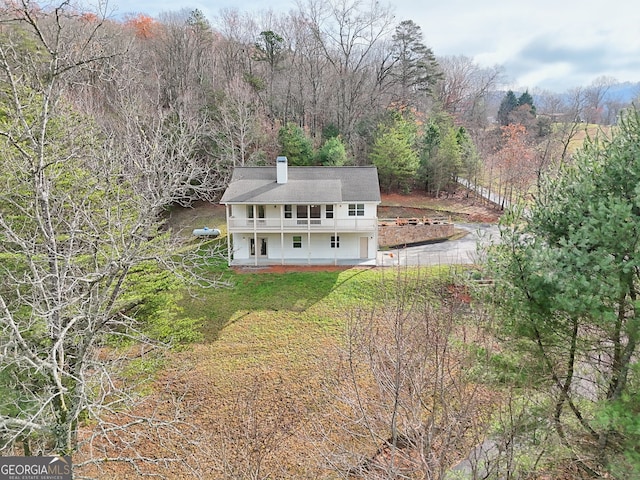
<point x="461" y="251"/>
<point x="484" y="192"/>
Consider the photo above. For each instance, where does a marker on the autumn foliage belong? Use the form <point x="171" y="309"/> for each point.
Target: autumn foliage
<point x="514" y="160"/>
<point x="142" y="25"/>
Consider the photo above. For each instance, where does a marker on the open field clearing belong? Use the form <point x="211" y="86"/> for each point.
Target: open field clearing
<point x="276" y="388"/>
<point x="282" y="380"/>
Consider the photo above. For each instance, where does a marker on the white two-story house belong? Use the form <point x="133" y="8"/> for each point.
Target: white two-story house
<point x="302" y="215"/>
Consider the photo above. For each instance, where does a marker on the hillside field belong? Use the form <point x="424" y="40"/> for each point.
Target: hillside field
<point x="267" y="387"/>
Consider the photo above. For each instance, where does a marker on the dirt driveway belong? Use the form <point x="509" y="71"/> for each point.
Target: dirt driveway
<point x="460" y="207"/>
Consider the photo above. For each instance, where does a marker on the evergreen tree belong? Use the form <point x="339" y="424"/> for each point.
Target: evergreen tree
<point x="527" y="99"/>
<point x="295" y="145"/>
<point x="269" y="49"/>
<point x="569" y="278"/>
<point x="332" y="152"/>
<point x="470" y="160"/>
<point x="198" y="21"/>
<point x="415" y="67"/>
<point x="330" y="131"/>
<point x="429" y="147"/>
<point x="447" y="162"/>
<point x="394" y="155"/>
<point x="447" y="152"/>
<point x="508" y="104"/>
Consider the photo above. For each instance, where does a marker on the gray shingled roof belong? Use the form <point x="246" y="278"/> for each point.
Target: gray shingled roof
<point x="305" y="185"/>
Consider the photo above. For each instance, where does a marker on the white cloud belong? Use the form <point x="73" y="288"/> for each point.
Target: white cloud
<point x="550" y="43"/>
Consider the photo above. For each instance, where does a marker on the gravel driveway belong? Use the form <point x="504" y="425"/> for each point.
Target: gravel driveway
<point x="461" y="251"/>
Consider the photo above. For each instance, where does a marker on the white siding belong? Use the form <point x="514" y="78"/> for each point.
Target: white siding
<point x="316" y="245"/>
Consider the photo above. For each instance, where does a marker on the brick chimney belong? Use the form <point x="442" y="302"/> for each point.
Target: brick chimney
<point x="281" y="169"/>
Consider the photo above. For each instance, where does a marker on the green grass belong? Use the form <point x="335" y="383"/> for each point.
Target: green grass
<point x="287" y="325"/>
<point x="318" y="297"/>
<point x="295" y="292"/>
<point x="273" y="347"/>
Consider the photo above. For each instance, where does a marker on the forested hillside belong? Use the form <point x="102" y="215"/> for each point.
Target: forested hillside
<point x="326" y="84"/>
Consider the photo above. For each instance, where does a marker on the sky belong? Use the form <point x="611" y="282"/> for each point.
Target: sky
<point x="542" y="45"/>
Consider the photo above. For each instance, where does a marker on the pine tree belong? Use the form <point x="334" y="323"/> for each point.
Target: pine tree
<point x="415" y="68"/>
<point x="394" y="155"/>
<point x="508" y="104"/>
<point x="332" y="152"/>
<point x="527" y="99"/>
<point x="295" y="145"/>
<point x="568" y="280"/>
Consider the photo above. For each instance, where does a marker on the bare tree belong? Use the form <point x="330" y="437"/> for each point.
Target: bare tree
<point x="82" y="235"/>
<point x="595" y="95"/>
<point x="348" y="34"/>
<point x="182" y="59"/>
<point x="564" y="115"/>
<point x="234" y="47"/>
<point x="404" y="406"/>
<point x="309" y="87"/>
<point x="464" y="88"/>
<point x="236" y="121"/>
<point x="260" y="421"/>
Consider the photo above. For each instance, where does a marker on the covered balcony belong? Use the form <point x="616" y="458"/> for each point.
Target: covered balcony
<point x="274" y="225"/>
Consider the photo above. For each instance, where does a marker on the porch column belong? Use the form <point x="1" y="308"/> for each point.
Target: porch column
<point x="226" y="212"/>
<point x="282" y="234"/>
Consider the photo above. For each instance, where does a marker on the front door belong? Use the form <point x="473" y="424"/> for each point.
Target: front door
<point x="364" y="247"/>
<point x="262" y="247"/>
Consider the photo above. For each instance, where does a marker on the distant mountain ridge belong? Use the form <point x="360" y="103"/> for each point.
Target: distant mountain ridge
<point x="614" y="98"/>
<point x="624" y="92"/>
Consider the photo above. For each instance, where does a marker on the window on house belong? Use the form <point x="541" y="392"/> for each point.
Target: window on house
<point x="335" y="241"/>
<point x="314" y="211"/>
<point x="297" y="241"/>
<point x="253" y="210"/>
<point x="301" y="211"/>
<point x="328" y="212"/>
<point x="356" y="209"/>
<point x="287" y="211"/>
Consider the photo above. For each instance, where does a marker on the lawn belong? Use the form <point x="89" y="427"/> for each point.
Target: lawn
<point x="259" y="390"/>
<point x="293" y="292"/>
<point x="257" y="396"/>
